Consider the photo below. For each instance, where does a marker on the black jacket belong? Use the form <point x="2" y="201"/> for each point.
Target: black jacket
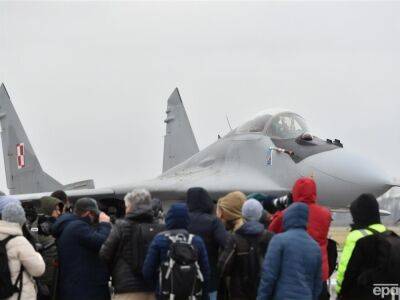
<point x="206" y="225"/>
<point x="363" y="268"/>
<point x="120" y="249"/>
<point x="231" y="265"/>
<point x="82" y="274"/>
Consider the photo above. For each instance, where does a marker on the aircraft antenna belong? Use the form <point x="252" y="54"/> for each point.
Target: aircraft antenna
<point x="229" y="124"/>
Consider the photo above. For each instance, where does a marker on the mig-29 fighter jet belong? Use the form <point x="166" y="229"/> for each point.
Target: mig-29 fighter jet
<point x="266" y="154"/>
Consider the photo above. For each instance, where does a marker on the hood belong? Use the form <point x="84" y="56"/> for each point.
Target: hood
<point x="365" y="211"/>
<point x="305" y="190"/>
<point x="141" y="214"/>
<point x="232" y="205"/>
<point x="48" y="205"/>
<point x="8" y="228"/>
<point x="177" y="217"/>
<point x="251" y="228"/>
<point x="4" y="200"/>
<point x="198" y="200"/>
<point x="296" y="216"/>
<point x="61" y="222"/>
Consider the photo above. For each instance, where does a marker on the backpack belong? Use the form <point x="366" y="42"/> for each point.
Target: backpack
<point x="180" y="276"/>
<point x="389" y="255"/>
<point x="141" y="238"/>
<point x="248" y="261"/>
<point x="7" y="288"/>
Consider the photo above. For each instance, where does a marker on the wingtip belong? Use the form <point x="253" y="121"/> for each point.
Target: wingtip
<point x="175" y="96"/>
<point x="4" y="90"/>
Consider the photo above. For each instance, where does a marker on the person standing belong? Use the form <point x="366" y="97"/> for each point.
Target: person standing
<point x="79" y="237"/>
<point x="292" y="265"/>
<point x="206" y="225"/>
<point x="51" y="209"/>
<point x="319" y="221"/>
<point x="367" y="258"/>
<point x="176" y="254"/>
<point x="23" y="260"/>
<point x="240" y="262"/>
<point x="126" y="247"/>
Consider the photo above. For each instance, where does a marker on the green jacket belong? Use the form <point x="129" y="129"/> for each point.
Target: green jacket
<point x="348" y="249"/>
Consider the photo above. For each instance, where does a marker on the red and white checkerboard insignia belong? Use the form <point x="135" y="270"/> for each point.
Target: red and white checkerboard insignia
<point x="20" y="155"/>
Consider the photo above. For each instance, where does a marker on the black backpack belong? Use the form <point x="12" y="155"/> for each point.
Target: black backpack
<point x="248" y="261"/>
<point x="7" y="288"/>
<point x="180" y="275"/>
<point x="389" y="255"/>
<point x="142" y="235"/>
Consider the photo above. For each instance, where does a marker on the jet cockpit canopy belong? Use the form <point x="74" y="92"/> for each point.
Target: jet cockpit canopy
<point x="279" y="124"/>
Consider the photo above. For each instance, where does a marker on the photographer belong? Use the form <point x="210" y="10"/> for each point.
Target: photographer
<point x="79" y="237"/>
<point x="272" y="205"/>
<point x="50" y="209"/>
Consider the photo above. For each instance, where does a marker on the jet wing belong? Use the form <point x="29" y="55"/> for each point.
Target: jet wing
<point x="217" y="184"/>
<point x="72" y="194"/>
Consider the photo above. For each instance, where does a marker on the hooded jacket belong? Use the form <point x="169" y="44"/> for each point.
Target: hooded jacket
<point x="319" y="218"/>
<point x="49" y="254"/>
<point x="20" y="252"/>
<point x="292" y="265"/>
<point x="231" y="264"/>
<point x="48" y="205"/>
<point x="82" y="274"/>
<point x="361" y="256"/>
<point x="206" y="225"/>
<point x="177" y="220"/>
<point x="118" y="250"/>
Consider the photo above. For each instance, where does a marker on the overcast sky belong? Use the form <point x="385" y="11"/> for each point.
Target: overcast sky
<point x="90" y="80"/>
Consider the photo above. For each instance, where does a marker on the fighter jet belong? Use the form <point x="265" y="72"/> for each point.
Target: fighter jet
<point x="266" y="154"/>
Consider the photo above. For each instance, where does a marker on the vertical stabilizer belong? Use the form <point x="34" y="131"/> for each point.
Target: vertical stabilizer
<point x="23" y="171"/>
<point x="179" y="140"/>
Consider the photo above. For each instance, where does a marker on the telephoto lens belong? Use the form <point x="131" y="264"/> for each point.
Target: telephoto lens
<point x="283" y="202"/>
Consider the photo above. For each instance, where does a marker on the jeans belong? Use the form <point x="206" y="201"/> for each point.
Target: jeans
<point x="213" y="295"/>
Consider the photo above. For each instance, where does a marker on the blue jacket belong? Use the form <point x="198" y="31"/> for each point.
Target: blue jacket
<point x="206" y="225"/>
<point x="82" y="274"/>
<point x="177" y="219"/>
<point x="292" y="265"/>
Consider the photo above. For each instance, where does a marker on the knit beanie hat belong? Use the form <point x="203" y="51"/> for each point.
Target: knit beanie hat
<point x="232" y="205"/>
<point x="13" y="213"/>
<point x="252" y="210"/>
<point x="365" y="211"/>
<point x="4" y="200"/>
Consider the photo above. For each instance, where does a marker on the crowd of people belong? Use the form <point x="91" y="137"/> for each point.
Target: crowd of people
<point x="241" y="247"/>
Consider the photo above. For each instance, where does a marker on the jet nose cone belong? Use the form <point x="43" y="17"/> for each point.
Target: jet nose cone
<point x="340" y="173"/>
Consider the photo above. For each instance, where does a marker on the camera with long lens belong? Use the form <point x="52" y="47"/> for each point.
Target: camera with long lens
<point x="31" y="211"/>
<point x="283" y="202"/>
<point x="272" y="204"/>
<point x="44" y="224"/>
<point x="158" y="212"/>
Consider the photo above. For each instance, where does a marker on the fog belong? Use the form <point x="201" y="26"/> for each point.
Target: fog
<point x="90" y="81"/>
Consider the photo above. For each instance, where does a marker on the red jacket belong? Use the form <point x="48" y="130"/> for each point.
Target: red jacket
<point x="319" y="218"/>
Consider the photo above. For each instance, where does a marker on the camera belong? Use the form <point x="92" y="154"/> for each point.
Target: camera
<point x="283" y="202"/>
<point x="44" y="224"/>
<point x="272" y="204"/>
